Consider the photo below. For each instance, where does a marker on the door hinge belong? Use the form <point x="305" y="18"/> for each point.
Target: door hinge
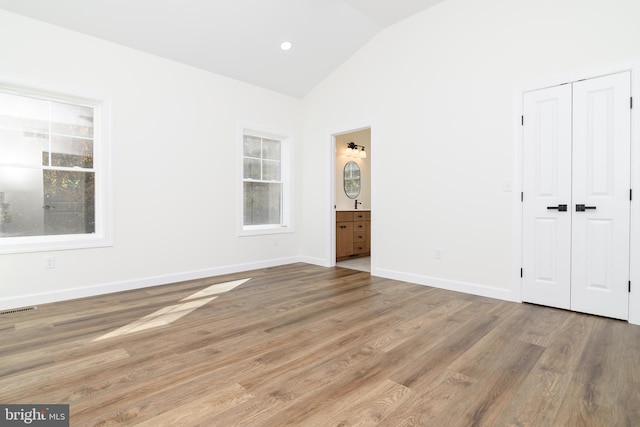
<point x="521" y="273"/>
<point x="521" y="120"/>
<point x="631" y="102"/>
<point x="522" y="196"/>
<point x="631" y="194"/>
<point x="629" y="286"/>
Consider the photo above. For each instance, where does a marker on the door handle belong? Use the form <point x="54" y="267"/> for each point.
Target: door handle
<point x="582" y="208"/>
<point x="560" y="208"/>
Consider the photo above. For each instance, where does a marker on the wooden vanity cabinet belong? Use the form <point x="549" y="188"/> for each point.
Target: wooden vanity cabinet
<point x="353" y="229"/>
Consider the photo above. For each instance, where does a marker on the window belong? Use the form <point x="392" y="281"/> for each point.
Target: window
<point x="265" y="183"/>
<point x="53" y="171"/>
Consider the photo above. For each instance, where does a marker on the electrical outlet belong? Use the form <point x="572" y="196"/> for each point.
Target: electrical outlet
<point x="49" y="262"/>
<point x="438" y="253"/>
<point x="275" y="242"/>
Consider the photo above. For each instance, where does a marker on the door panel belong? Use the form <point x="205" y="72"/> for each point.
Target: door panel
<point x="601" y="182"/>
<point x="547" y="183"/>
<point x="546" y="235"/>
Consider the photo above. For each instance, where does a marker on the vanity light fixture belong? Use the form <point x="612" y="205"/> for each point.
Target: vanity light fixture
<point x="351" y="148"/>
<point x="355" y="150"/>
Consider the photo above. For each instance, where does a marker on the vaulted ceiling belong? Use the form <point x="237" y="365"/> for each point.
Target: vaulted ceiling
<point x="239" y="39"/>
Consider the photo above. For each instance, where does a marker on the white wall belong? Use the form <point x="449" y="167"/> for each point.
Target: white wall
<point x="439" y="89"/>
<point x="174" y="154"/>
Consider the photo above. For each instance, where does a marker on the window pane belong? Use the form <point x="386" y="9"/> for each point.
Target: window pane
<point x="68" y="202"/>
<point x="72" y="120"/>
<point x="35" y="202"/>
<point x="20" y="147"/>
<point x="262" y="203"/>
<point x="22" y="213"/>
<point x="252" y="146"/>
<point x="24" y="113"/>
<point x="70" y="152"/>
<point x="270" y="170"/>
<point x="270" y="149"/>
<point x="251" y="168"/>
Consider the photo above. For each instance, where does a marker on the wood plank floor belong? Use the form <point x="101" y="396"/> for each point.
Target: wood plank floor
<point x="311" y="346"/>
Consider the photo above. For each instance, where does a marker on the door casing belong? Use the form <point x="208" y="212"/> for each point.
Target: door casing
<point x="332" y="202"/>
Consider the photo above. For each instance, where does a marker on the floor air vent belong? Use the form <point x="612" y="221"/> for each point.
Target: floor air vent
<point x="17" y="310"/>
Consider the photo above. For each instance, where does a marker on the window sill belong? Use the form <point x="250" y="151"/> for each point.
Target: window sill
<point x="14" y="245"/>
<point x="259" y="230"/>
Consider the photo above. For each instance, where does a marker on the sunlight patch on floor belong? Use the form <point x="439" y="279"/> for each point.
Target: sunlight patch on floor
<point x="167" y="315"/>
<point x="216" y="289"/>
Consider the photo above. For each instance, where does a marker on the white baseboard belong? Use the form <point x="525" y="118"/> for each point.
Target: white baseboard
<point x="450" y="285"/>
<point x="321" y="262"/>
<point x="127" y="285"/>
<point x="107" y="288"/>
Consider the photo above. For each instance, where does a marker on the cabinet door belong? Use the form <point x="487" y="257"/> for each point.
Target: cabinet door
<point x="344" y="239"/>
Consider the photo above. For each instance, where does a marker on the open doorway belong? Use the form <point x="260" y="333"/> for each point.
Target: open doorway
<point x="352" y="196"/>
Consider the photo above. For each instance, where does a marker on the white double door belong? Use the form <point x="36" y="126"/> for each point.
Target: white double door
<point x="576" y="196"/>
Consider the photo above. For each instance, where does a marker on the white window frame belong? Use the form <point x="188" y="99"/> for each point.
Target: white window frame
<point x="101" y="103"/>
<point x="286" y="149"/>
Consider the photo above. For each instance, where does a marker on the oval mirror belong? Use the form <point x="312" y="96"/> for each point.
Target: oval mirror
<point x="352" y="180"/>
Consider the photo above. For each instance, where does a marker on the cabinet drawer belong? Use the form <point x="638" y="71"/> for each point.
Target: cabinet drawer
<point x="362" y="216"/>
<point x="360" y="248"/>
<point x="343" y="216"/>
<point x="359" y="236"/>
<point x="359" y="226"/>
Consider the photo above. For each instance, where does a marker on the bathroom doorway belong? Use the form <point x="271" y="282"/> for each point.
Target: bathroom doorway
<point x="352" y="199"/>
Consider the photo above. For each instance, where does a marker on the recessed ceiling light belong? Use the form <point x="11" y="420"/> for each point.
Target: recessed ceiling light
<point x="286" y="45"/>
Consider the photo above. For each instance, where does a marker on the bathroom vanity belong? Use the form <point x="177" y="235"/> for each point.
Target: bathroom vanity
<point x="353" y="231"/>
